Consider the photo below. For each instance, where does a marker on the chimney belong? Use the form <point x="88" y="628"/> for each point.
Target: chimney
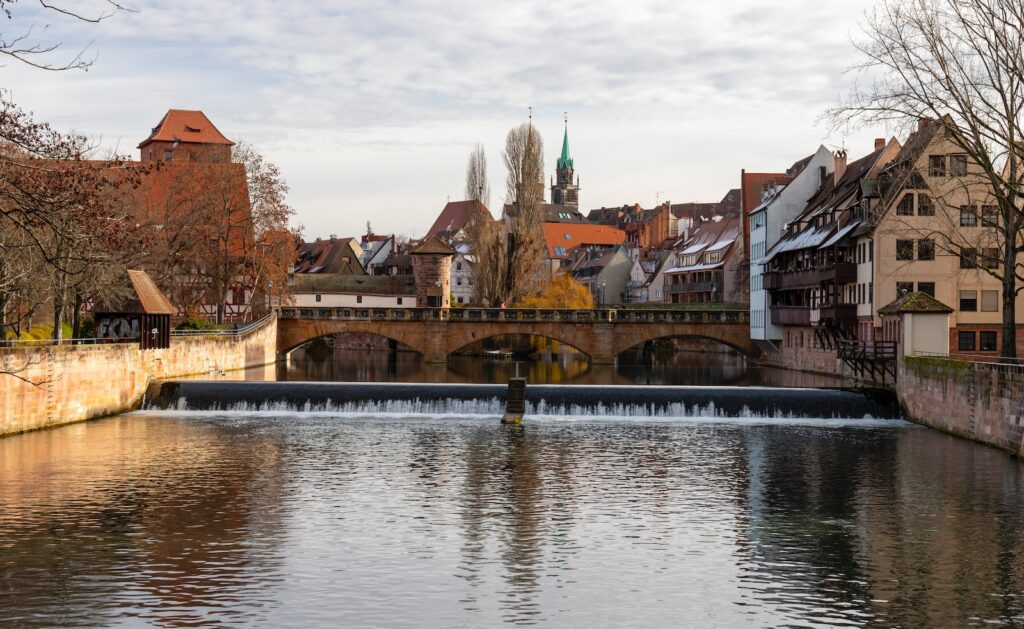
<point x="334" y="237"/>
<point x="840" y="163"/>
<point x="879" y="144"/>
<point x="923" y="122"/>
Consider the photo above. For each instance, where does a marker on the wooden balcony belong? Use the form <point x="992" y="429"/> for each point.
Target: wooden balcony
<point x="841" y="273"/>
<point x="838" y="314"/>
<point x="791" y="315"/>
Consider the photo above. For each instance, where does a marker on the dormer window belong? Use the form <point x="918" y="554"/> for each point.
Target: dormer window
<point x="568" y="236"/>
<point x="191" y="129"/>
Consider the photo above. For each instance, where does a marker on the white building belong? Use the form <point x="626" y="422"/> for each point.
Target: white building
<point x="767" y="225"/>
<point x="462" y="275"/>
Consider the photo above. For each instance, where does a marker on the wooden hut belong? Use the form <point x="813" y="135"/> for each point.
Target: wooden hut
<point x="145" y="317"/>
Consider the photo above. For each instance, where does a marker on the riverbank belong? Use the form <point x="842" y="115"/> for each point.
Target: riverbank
<point x="53" y="385"/>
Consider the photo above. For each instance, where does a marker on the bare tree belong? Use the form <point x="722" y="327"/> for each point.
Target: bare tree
<point x="526" y="259"/>
<point x="959" y="63"/>
<point x="477" y="186"/>
<point x="24" y="46"/>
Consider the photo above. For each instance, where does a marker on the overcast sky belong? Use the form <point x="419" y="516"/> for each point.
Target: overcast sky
<point x="370" y="107"/>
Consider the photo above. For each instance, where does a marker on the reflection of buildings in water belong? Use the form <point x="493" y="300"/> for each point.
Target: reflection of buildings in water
<point x="889" y="532"/>
<point x="168" y="506"/>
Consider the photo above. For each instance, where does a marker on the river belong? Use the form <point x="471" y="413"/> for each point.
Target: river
<point x="291" y="519"/>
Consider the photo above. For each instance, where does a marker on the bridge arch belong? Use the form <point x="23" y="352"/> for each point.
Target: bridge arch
<point x="629" y="336"/>
<point x="292" y="334"/>
<point x="455" y="348"/>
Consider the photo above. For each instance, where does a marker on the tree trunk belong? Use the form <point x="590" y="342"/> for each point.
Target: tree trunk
<point x="58" y="317"/>
<point x="76" y="318"/>
<point x="1009" y="280"/>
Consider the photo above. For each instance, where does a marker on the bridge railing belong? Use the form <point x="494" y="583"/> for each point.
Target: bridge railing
<point x="525" y="315"/>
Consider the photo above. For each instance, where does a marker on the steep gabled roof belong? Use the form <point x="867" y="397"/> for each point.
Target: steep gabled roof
<point x="456" y="215"/>
<point x="186" y="126"/>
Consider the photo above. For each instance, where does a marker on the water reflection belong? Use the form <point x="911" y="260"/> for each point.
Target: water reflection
<point x="678" y="368"/>
<point x="185" y="520"/>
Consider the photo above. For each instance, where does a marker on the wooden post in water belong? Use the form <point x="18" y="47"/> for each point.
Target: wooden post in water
<point x="515" y="401"/>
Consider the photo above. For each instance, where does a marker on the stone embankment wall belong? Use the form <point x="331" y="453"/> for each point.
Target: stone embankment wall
<point x="63" y="384"/>
<point x="980" y="401"/>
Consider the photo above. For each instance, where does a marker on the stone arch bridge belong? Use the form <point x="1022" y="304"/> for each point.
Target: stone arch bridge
<point x="435" y="333"/>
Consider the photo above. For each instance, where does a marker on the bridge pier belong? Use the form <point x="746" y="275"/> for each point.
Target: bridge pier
<point x="435" y="342"/>
<point x="602" y="344"/>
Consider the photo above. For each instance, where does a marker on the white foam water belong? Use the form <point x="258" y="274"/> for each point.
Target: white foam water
<point x="493" y="408"/>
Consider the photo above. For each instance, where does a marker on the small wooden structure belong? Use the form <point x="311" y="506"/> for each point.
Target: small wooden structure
<point x="145" y="317"/>
<point x="917" y="322"/>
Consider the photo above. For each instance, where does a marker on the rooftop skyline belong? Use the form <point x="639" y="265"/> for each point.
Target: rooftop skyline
<point x="371" y="111"/>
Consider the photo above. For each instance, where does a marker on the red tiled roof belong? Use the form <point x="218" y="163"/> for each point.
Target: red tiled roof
<point x="456" y="216"/>
<point x="572" y="235"/>
<point x="181" y="125"/>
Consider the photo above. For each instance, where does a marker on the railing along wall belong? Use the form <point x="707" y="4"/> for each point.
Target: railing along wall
<point x="522" y="315"/>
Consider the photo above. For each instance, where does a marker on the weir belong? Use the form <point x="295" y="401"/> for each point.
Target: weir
<point x="622" y="401"/>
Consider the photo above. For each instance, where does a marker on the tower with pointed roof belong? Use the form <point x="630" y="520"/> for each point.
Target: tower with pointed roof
<point x="186" y="136"/>
<point x="565" y="190"/>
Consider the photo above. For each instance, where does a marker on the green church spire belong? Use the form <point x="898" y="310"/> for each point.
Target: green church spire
<point x="565" y="160"/>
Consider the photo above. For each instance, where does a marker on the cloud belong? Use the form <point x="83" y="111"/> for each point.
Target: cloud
<point x="372" y="87"/>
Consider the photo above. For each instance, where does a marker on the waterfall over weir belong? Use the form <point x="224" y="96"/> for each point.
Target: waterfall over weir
<point x="542" y="400"/>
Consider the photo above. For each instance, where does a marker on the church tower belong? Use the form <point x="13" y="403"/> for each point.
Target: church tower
<point x="564" y="191"/>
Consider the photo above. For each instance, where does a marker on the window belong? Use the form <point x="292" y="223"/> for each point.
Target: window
<point x="904" y="249"/>
<point x="657" y="294"/>
<point x="560" y="251"/>
<point x="568" y="236"/>
<point x="458" y="266"/>
<point x="906" y="205"/>
<point x="459" y="300"/>
<point x="318" y="299"/>
<point x="925" y="205"/>
<point x="359" y="299"/>
<point x="987" y="341"/>
<point x="966" y="342"/>
<point x="969" y="301"/>
<point x="989" y="216"/>
<point x="458" y="281"/>
<point x="958" y="165"/>
<point x="399" y="301"/>
<point x="936" y="165"/>
<point x="990" y="257"/>
<point x="928" y="288"/>
<point x="167" y="155"/>
<point x="968" y="258"/>
<point x="903" y="288"/>
<point x="925" y="249"/>
<point x="990" y="301"/>
<point x="968" y="216"/>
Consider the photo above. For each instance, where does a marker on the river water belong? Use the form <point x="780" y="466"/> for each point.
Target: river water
<point x="288" y="519"/>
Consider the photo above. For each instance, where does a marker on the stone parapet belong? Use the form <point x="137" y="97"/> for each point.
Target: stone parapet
<point x="979" y="401"/>
<point x="61" y="384"/>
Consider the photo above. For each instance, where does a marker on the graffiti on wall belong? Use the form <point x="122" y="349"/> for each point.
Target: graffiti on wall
<point x="118" y="327"/>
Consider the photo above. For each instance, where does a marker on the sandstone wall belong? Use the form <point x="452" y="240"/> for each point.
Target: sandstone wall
<point x="64" y="384"/>
<point x="980" y="401"/>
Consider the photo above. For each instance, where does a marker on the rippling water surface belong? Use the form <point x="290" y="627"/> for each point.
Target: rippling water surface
<point x="179" y="519"/>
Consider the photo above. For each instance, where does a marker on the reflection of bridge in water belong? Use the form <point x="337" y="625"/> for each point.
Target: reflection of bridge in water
<point x="436" y="334"/>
